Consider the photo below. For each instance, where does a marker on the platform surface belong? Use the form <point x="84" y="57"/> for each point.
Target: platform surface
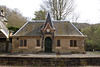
<point x="53" y="55"/>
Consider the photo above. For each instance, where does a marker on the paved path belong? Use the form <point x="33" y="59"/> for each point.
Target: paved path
<point x="52" y="55"/>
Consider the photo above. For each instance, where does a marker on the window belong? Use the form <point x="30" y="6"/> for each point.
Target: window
<point x="73" y="43"/>
<point x="38" y="42"/>
<point x="23" y="43"/>
<point x="58" y="43"/>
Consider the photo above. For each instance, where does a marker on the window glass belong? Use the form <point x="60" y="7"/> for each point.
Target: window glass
<point x="58" y="43"/>
<point x="75" y="43"/>
<point x="71" y="43"/>
<point x="21" y="43"/>
<point x="38" y="42"/>
<point x="25" y="42"/>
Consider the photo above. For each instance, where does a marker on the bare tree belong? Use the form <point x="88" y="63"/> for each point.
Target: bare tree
<point x="59" y="8"/>
<point x="75" y="17"/>
<point x="14" y="17"/>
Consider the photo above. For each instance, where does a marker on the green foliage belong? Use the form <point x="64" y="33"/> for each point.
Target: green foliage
<point x="40" y="15"/>
<point x="14" y="29"/>
<point x="93" y="37"/>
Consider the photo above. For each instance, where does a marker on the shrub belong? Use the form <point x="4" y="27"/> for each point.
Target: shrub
<point x="14" y="29"/>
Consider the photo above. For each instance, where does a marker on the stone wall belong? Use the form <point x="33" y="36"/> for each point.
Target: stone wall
<point x="2" y="44"/>
<point x="27" y="61"/>
<point x="65" y="45"/>
<point x="32" y="45"/>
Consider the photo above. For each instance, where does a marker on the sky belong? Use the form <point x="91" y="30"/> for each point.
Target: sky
<point x="88" y="10"/>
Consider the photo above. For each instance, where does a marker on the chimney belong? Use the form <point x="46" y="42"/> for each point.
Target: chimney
<point x="11" y="32"/>
<point x="2" y="13"/>
<point x="2" y="17"/>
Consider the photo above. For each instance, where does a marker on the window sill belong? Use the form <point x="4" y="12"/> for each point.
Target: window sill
<point x="38" y="47"/>
<point x="23" y="47"/>
<point x="58" y="47"/>
<point x="73" y="47"/>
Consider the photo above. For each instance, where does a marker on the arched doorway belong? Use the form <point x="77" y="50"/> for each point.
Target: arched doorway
<point x="48" y="44"/>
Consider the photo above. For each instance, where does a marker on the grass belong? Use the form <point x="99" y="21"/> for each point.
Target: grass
<point x="94" y="52"/>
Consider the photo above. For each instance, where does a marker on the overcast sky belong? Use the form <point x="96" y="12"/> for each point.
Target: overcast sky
<point x="89" y="10"/>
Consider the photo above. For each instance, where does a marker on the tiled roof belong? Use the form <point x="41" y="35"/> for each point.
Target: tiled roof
<point x="4" y="33"/>
<point x="62" y="28"/>
<point x="4" y="30"/>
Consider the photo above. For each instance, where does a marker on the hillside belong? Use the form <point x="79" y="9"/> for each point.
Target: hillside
<point x="14" y="17"/>
<point x="93" y="37"/>
<point x="92" y="31"/>
<point x="82" y="25"/>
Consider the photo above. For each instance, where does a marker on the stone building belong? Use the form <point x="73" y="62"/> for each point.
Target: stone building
<point x="48" y="36"/>
<point x="4" y="33"/>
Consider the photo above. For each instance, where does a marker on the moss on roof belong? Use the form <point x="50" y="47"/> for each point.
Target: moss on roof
<point x="62" y="28"/>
